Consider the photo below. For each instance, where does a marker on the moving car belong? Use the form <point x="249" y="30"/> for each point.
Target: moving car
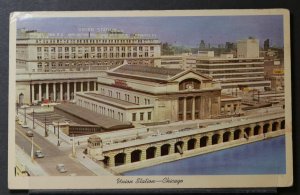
<point x="39" y="154"/>
<point x="61" y="168"/>
<point x="29" y="133"/>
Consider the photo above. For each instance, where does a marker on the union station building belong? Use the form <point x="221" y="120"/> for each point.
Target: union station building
<point x="152" y="95"/>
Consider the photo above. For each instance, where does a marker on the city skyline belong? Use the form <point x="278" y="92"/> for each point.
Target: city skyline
<point x="185" y="31"/>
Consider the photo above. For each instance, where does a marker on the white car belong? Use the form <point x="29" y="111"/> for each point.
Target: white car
<point x="24" y="126"/>
<point x="61" y="168"/>
<point x="39" y="154"/>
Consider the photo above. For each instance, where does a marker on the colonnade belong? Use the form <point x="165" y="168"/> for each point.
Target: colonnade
<point x="195" y="107"/>
<point x="59" y="91"/>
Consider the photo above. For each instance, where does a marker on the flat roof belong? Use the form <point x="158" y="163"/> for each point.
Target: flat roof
<point x="110" y="99"/>
<point x="147" y="71"/>
<point x="93" y="117"/>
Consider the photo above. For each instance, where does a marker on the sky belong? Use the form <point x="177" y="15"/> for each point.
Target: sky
<point x="184" y="30"/>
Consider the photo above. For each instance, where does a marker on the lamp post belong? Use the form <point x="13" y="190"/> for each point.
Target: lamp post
<point x="25" y="122"/>
<point x="73" y="147"/>
<point x="31" y="153"/>
<point x="46" y="132"/>
<point x="33" y="127"/>
<point x="58" y="144"/>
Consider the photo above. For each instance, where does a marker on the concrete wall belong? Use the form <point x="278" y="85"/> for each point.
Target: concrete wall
<point x="217" y="137"/>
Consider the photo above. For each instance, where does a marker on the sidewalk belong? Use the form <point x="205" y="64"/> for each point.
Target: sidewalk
<point x="91" y="165"/>
<point x="33" y="168"/>
<point x="66" y="146"/>
<point x="40" y="129"/>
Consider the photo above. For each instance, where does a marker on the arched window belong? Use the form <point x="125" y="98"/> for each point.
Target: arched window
<point x="189" y="84"/>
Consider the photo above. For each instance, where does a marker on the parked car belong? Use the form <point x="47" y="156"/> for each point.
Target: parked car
<point x="20" y="122"/>
<point x="24" y="126"/>
<point x="29" y="133"/>
<point x="61" y="168"/>
<point x="39" y="154"/>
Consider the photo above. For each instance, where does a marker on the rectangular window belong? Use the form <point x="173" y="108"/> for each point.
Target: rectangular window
<point x="133" y="116"/>
<point x="39" y="49"/>
<point x="141" y="116"/>
<point x="149" y="116"/>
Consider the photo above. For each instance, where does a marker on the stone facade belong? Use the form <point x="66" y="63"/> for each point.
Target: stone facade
<point x="181" y="95"/>
<point x="169" y="147"/>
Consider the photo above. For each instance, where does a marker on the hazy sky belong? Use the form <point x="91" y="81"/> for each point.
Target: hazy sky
<point x="176" y="30"/>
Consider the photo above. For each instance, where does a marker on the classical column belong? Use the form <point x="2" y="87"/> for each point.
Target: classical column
<point x="68" y="91"/>
<point x="54" y="91"/>
<point x="32" y="93"/>
<point x="40" y="92"/>
<point x="184" y="108"/>
<point x="81" y="87"/>
<point x="47" y="91"/>
<point x="193" y="108"/>
<point x="74" y="87"/>
<point x="95" y="86"/>
<point x="88" y="86"/>
<point x="61" y="91"/>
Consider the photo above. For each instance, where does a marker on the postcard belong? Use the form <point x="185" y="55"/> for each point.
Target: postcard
<point x="150" y="99"/>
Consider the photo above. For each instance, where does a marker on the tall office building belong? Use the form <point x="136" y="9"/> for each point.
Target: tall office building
<point x="266" y="44"/>
<point x="54" y="67"/>
<point x="233" y="73"/>
<point x="248" y="48"/>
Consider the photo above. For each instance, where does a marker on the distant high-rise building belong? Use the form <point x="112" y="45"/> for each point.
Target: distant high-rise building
<point x="202" y="45"/>
<point x="266" y="44"/>
<point x="248" y="48"/>
<point x="229" y="46"/>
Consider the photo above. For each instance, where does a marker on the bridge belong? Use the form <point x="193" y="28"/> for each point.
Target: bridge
<point x="154" y="149"/>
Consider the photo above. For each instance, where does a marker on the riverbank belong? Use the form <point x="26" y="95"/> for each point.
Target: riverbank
<point x="190" y="153"/>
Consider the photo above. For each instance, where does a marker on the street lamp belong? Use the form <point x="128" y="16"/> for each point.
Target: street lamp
<point x="73" y="147"/>
<point x="33" y="127"/>
<point x="46" y="132"/>
<point x="58" y="144"/>
<point x="31" y="153"/>
<point x="25" y="122"/>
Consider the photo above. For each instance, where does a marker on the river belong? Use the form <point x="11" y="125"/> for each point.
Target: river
<point x="262" y="157"/>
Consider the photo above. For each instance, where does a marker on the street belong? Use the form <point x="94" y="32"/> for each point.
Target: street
<point x="53" y="155"/>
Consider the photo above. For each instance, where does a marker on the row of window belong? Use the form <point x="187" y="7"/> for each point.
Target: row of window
<point x="101" y="110"/>
<point x="126" y="96"/>
<point x="91" y="41"/>
<point x="93" y="56"/>
<point x="94" y="49"/>
<point x="141" y="116"/>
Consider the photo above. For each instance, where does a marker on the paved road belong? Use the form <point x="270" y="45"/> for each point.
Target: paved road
<point x="53" y="155"/>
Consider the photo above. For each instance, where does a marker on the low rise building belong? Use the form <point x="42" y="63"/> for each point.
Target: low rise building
<point x="149" y="95"/>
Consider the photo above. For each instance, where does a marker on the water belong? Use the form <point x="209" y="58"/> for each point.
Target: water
<point x="263" y="157"/>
